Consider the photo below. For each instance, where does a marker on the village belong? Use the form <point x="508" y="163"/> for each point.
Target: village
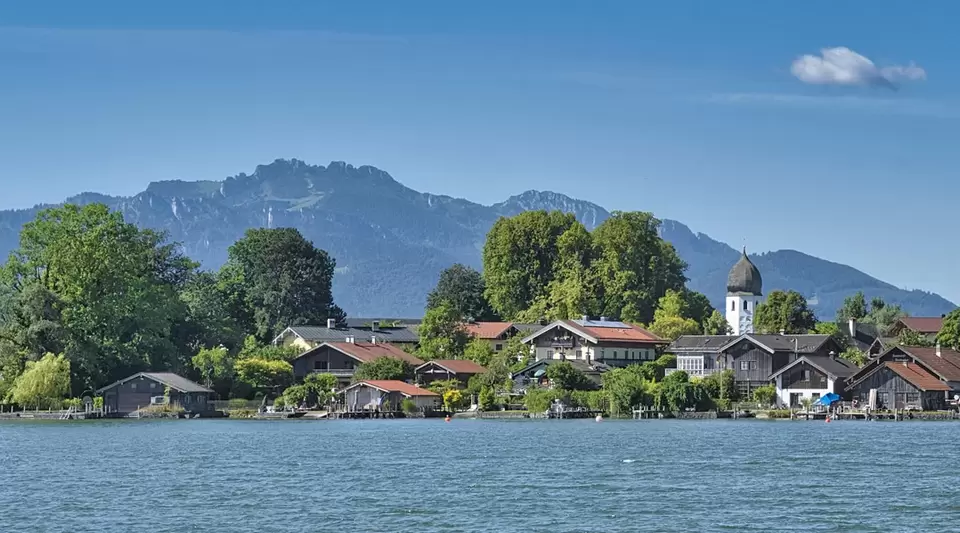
<point x="367" y="368"/>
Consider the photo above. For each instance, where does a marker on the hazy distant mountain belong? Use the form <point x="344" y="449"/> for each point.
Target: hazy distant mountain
<point x="391" y="242"/>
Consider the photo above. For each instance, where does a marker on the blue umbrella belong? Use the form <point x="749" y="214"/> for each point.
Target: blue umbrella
<point x="828" y="399"/>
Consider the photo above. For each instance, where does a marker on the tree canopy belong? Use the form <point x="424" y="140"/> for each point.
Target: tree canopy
<point x="949" y="335"/>
<point x="442" y="334"/>
<point x="462" y="288"/>
<point x="784" y="311"/>
<point x="43" y="382"/>
<point x="384" y="368"/>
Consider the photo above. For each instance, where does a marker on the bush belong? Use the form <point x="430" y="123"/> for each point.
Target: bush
<point x="98" y="402"/>
<point x="295" y="395"/>
<point x="237" y="403"/>
<point x="539" y="400"/>
<point x="408" y="406"/>
<point x="279" y="403"/>
<point x="485" y="399"/>
<point x="593" y="400"/>
<point x="765" y="395"/>
<point x="452" y="400"/>
<point x="778" y="413"/>
<point x="75" y="403"/>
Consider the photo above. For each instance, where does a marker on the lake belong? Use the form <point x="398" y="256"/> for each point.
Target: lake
<point x="478" y="475"/>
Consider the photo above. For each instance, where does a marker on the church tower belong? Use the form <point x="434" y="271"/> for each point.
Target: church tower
<point x="744" y="292"/>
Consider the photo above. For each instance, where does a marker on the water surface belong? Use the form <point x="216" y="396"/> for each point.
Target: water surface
<point x="430" y="476"/>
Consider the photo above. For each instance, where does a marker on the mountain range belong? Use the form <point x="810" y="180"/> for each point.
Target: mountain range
<point x="391" y="242"/>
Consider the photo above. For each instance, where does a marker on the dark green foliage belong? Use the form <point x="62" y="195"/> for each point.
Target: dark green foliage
<point x="486" y="398"/>
<point x="442" y="335"/>
<point x="854" y="307"/>
<point x="721" y="385"/>
<point x="765" y="395"/>
<point x="677" y="393"/>
<point x="462" y="288"/>
<point x="564" y="376"/>
<point x="384" y="368"/>
<point x="908" y="337"/>
<point x="784" y="311"/>
<point x="284" y="279"/>
<point x="949" y="335"/>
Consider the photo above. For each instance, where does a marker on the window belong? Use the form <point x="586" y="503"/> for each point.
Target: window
<point x="319" y="365"/>
<point x="579" y="354"/>
<point x="153" y="385"/>
<point x="913" y="398"/>
<point x="498" y="347"/>
<point x="746" y="306"/>
<point x="806" y="375"/>
<point x="549" y="354"/>
<point x="614" y="354"/>
<point x="744" y="365"/>
<point x="733" y="305"/>
<point x="133" y="386"/>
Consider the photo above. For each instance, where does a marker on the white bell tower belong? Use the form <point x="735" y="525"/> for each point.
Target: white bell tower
<point x="744" y="293"/>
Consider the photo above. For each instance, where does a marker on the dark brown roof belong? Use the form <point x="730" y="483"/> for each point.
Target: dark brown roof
<point x="456" y="366"/>
<point x="366" y="351"/>
<point x="917" y="376"/>
<point x="923" y="324"/>
<point x="174" y="381"/>
<point x="834" y="367"/>
<point x="946" y="365"/>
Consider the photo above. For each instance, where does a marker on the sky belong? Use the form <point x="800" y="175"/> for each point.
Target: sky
<point x="824" y="127"/>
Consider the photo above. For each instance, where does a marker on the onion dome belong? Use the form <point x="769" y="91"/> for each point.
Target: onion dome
<point x="744" y="277"/>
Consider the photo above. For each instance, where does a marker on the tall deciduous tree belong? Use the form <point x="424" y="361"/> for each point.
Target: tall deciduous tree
<point x="883" y="316"/>
<point x="285" y="280"/>
<point x="949" y="335"/>
<point x="519" y="259"/>
<point x="43" y="382"/>
<point x="384" y="368"/>
<point x="716" y="324"/>
<point x="108" y="293"/>
<point x="462" y="288"/>
<point x="442" y="335"/>
<point x="784" y="311"/>
<point x="634" y="267"/>
<point x="854" y="307"/>
<point x="670" y="319"/>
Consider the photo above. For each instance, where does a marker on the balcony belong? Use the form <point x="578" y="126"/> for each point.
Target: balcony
<point x="338" y="372"/>
<point x="562" y="342"/>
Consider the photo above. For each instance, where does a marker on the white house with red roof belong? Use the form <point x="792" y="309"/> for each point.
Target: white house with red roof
<point x="611" y="342"/>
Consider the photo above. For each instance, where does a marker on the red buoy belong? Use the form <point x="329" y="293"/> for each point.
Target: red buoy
<point x="447" y="419"/>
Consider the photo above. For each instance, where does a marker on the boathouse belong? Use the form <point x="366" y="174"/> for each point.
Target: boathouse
<point x="386" y="395"/>
<point x="343" y="358"/>
<point x="144" y="389"/>
<point x="810" y="377"/>
<point x="908" y="377"/>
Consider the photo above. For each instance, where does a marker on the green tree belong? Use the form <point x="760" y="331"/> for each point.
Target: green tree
<point x="908" y="337"/>
<point x="784" y="311"/>
<point x="765" y="395"/>
<point x="626" y="388"/>
<point x="677" y="393"/>
<point x="656" y="370"/>
<point x="43" y="383"/>
<point x="698" y="307"/>
<point x="949" y="335"/>
<point x="384" y="368"/>
<point x="320" y="386"/>
<point x="213" y="317"/>
<point x="479" y="351"/>
<point x="284" y="278"/>
<point x="213" y="364"/>
<point x="854" y="356"/>
<point x="486" y="399"/>
<point x="721" y="385"/>
<point x="264" y="374"/>
<point x="295" y="395"/>
<point x="114" y="291"/>
<point x="883" y="316"/>
<point x="854" y="307"/>
<point x="834" y="330"/>
<point x="442" y="335"/>
<point x="453" y="400"/>
<point x="634" y="266"/>
<point x="716" y="324"/>
<point x="564" y="376"/>
<point x="670" y="320"/>
<point x="462" y="288"/>
<point x="254" y="349"/>
<point x="573" y="291"/>
<point x="519" y="259"/>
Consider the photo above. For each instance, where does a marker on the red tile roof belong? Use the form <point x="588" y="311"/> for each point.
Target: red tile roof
<point x="392" y="385"/>
<point x="923" y="324"/>
<point x="629" y="334"/>
<point x="946" y="365"/>
<point x="917" y="376"/>
<point x="487" y="330"/>
<point x="459" y="366"/>
<point x="366" y="351"/>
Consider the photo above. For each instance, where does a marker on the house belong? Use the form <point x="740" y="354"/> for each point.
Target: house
<point x="604" y="341"/>
<point x="308" y="337"/>
<point x="143" y="389"/>
<point x="444" y="369"/>
<point x="908" y="377"/>
<point x="535" y="374"/>
<point x="753" y="358"/>
<point x="810" y="377"/>
<point x="926" y="326"/>
<point x="495" y="332"/>
<point x="343" y="358"/>
<point x="387" y="395"/>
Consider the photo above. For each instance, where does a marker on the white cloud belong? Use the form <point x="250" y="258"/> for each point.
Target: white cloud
<point x="843" y="66"/>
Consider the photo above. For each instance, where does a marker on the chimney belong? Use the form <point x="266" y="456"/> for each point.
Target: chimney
<point x="853" y="327"/>
<point x="331" y="323"/>
<point x="938" y="350"/>
<point x="783" y="332"/>
<point x="375" y="325"/>
<point x="373" y="339"/>
<point x="603" y="319"/>
<point x="585" y="318"/>
<point x="349" y="339"/>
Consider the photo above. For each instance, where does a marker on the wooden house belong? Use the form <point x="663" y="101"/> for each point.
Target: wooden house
<point x="609" y="342"/>
<point x="908" y="377"/>
<point x="343" y="358"/>
<point x="445" y="369"/>
<point x="925" y="326"/>
<point x="309" y="337"/>
<point x="810" y="377"/>
<point x="144" y="389"/>
<point x="387" y="395"/>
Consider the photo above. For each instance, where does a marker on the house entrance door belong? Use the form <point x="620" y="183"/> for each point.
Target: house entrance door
<point x="795" y="399"/>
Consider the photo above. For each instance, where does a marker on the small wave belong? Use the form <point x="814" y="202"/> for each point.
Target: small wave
<point x="628" y="461"/>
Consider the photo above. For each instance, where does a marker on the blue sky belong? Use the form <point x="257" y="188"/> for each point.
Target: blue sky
<point x="703" y="112"/>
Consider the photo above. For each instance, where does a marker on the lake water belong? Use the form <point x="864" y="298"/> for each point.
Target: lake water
<point x="429" y="476"/>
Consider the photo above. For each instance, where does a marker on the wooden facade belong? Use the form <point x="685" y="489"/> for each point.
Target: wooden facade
<point x="326" y="359"/>
<point x="895" y="392"/>
<point x="145" y="389"/>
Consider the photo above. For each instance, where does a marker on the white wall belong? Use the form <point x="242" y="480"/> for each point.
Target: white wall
<point x="739" y="312"/>
<point x="783" y="395"/>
